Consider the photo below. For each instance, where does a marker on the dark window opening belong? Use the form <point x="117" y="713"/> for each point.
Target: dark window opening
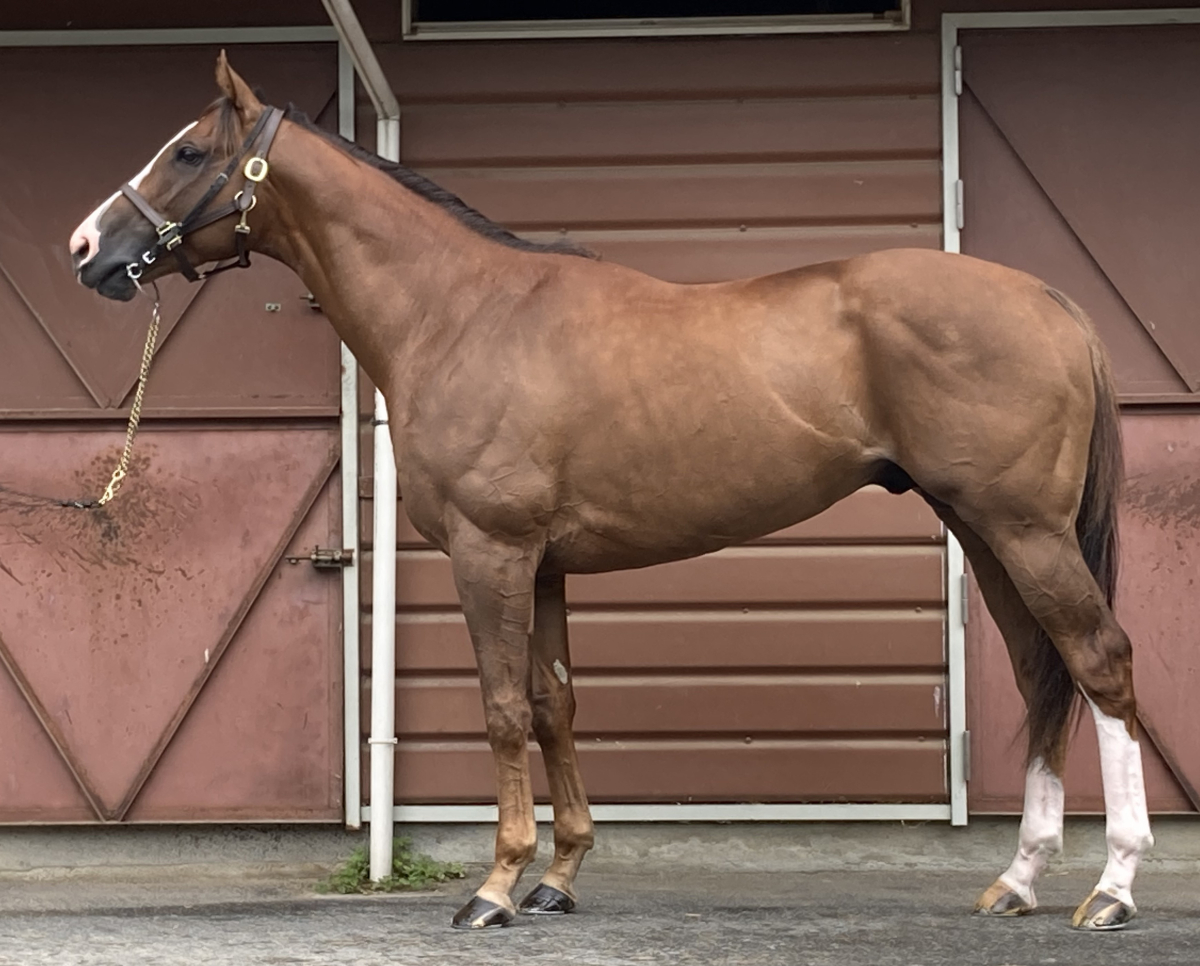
<point x="459" y="11"/>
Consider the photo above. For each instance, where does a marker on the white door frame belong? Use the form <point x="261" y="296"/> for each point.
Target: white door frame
<point x="351" y="687"/>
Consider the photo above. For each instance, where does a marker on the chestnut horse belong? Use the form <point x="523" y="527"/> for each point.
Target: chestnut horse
<point x="556" y="414"/>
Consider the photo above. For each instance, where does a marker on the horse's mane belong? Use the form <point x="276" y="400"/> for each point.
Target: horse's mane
<point x="227" y="132"/>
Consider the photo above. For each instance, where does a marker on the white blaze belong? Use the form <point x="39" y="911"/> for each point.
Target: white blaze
<point x="87" y="236"/>
<point x="1127" y="823"/>
<point x="1041" y="830"/>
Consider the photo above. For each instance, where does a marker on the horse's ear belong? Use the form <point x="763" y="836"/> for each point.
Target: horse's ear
<point x="236" y="89"/>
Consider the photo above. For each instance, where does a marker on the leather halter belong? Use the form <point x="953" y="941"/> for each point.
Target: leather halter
<point x="171" y="233"/>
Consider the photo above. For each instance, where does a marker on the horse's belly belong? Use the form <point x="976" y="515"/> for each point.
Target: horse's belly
<point x="664" y="523"/>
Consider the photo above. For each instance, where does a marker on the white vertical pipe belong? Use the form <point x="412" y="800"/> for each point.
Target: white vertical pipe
<point x="383" y="609"/>
<point x="383" y="649"/>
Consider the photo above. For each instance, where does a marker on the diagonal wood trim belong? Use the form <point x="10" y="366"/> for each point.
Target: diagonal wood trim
<point x="306" y="504"/>
<point x="168" y="329"/>
<point x="1168" y="756"/>
<point x="52" y="732"/>
<point x="101" y="401"/>
<point x="1190" y="381"/>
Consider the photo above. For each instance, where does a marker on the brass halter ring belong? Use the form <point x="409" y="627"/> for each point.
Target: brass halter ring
<point x="256" y="169"/>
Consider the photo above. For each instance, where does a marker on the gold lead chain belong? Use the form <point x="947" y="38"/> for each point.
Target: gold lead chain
<point x="135" y="411"/>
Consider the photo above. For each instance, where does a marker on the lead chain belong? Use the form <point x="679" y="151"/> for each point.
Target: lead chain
<point x="135" y="411"/>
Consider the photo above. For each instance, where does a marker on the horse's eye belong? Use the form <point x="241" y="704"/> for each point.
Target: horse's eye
<point x="189" y="155"/>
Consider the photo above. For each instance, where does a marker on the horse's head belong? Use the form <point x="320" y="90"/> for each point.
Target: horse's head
<point x="182" y="208"/>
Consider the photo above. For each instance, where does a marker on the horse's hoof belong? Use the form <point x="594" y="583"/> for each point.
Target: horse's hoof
<point x="1000" y="900"/>
<point x="1103" y="913"/>
<point x="545" y="900"/>
<point x="482" y="913"/>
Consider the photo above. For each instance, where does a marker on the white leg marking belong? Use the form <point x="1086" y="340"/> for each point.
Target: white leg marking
<point x="86" y="238"/>
<point x="1041" y="830"/>
<point x="1127" y="823"/>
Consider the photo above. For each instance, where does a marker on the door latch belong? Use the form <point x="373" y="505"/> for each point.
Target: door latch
<point x="326" y="558"/>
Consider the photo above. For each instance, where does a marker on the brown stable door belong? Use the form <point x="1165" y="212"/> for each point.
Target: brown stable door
<point x="159" y="659"/>
<point x="1079" y="152"/>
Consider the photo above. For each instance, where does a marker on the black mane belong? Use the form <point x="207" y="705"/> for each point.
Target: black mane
<point x="446" y="200"/>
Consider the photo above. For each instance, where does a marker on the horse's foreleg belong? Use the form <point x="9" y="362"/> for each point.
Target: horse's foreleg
<point x="495" y="584"/>
<point x="553" y="695"/>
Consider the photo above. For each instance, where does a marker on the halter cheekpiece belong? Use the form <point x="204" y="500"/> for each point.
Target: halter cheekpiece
<point x="172" y="233"/>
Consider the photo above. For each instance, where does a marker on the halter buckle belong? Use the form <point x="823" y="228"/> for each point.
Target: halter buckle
<point x="256" y="169"/>
<point x="169" y="235"/>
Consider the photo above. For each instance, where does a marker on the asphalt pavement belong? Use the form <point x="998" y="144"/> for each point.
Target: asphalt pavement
<point x="892" y="918"/>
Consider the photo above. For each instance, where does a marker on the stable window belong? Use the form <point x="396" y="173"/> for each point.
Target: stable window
<point x="486" y="19"/>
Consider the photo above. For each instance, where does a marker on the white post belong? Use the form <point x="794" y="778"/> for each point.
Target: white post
<point x="383" y="608"/>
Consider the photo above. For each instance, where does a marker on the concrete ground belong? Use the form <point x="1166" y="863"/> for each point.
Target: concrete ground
<point x="784" y="894"/>
<point x="891" y="918"/>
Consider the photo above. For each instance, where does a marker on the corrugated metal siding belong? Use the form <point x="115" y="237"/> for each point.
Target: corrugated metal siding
<point x="808" y="666"/>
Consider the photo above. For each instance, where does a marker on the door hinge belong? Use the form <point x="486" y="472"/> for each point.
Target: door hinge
<point x="958" y="80"/>
<point x="966" y="756"/>
<point x="326" y="558"/>
<point x="966" y="596"/>
<point x="958" y="203"/>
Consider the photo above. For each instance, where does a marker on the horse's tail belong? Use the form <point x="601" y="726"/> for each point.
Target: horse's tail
<point x="1054" y="697"/>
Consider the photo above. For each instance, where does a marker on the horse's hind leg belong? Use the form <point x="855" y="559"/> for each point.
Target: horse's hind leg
<point x="1029" y="648"/>
<point x="1048" y="570"/>
<point x="553" y="700"/>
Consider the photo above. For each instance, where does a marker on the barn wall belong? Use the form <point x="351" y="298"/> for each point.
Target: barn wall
<point x="806" y="667"/>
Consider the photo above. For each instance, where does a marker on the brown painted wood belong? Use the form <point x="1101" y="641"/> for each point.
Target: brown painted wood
<point x="742" y="575"/>
<point x="574" y="198"/>
<point x="1104" y="120"/>
<point x="309" y="497"/>
<point x="239" y="757"/>
<point x="1010" y="220"/>
<point x="731" y="770"/>
<point x="872" y="703"/>
<point x="839" y="128"/>
<point x="232" y="352"/>
<point x="1074" y="171"/>
<point x="697" y="160"/>
<point x="672" y="69"/>
<point x="114" y="618"/>
<point x="667" y="640"/>
<point x="177" y="562"/>
<point x="719" y="254"/>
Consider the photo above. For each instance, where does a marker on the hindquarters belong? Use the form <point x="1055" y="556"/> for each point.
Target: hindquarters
<point x="993" y="393"/>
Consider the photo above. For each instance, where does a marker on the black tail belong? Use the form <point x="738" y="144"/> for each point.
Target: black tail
<point x="1054" y="697"/>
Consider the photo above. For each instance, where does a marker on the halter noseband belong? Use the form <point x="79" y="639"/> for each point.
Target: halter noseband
<point x="171" y="233"/>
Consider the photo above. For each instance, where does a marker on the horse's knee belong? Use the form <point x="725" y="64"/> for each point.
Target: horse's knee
<point x="508" y="724"/>
<point x="552" y="711"/>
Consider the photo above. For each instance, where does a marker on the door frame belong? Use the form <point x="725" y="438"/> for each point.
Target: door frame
<point x="351" y="778"/>
<point x="952" y="227"/>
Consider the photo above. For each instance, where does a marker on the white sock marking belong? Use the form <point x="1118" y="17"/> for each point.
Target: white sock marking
<point x="1041" y="830"/>
<point x="1127" y="822"/>
<point x="88" y="233"/>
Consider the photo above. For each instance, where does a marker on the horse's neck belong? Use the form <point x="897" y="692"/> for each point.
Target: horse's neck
<point x="396" y="275"/>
